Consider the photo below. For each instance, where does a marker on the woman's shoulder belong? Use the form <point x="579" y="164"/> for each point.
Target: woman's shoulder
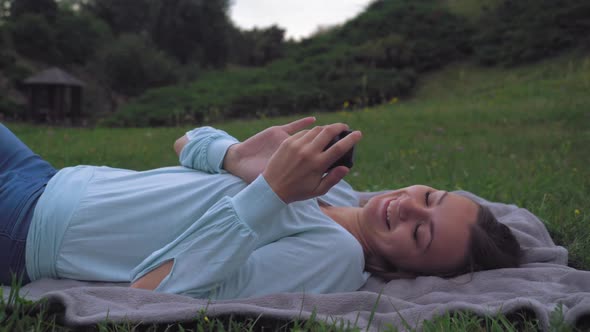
<point x="342" y="194"/>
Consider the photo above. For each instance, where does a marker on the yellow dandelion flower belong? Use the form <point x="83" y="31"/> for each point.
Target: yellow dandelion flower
<point x="206" y="319"/>
<point x="577" y="212"/>
<point x="393" y="100"/>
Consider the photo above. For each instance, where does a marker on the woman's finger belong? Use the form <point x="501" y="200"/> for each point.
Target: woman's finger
<point x="297" y="125"/>
<point x="337" y="150"/>
<point x="330" y="131"/>
<point x="298" y="135"/>
<point x="311" y="134"/>
<point x="331" y="179"/>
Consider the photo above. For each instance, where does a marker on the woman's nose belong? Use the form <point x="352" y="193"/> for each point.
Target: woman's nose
<point x="409" y="209"/>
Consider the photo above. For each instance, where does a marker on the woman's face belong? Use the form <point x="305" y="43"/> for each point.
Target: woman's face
<point x="418" y="228"/>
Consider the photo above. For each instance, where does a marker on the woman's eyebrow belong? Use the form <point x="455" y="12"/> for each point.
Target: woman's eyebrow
<point x="431" y="224"/>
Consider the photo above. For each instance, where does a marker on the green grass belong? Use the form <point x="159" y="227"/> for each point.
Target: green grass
<point x="512" y="135"/>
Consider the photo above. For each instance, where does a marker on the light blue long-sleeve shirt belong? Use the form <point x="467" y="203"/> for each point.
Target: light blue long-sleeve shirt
<point x="227" y="239"/>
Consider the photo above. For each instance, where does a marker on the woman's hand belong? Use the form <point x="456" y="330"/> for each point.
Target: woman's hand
<point x="248" y="159"/>
<point x="297" y="170"/>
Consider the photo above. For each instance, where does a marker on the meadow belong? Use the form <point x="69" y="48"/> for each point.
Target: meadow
<point x="518" y="135"/>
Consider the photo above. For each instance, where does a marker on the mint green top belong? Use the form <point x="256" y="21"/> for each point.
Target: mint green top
<point x="227" y="239"/>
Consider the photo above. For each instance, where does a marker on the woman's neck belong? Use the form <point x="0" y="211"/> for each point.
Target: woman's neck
<point x="349" y="218"/>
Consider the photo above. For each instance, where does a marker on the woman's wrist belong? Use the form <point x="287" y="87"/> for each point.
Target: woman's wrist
<point x="205" y="149"/>
<point x="231" y="159"/>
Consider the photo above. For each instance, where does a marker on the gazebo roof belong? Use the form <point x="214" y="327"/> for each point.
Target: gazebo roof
<point x="54" y="76"/>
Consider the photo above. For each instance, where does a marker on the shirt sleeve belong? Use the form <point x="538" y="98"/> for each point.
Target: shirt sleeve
<point x="206" y="149"/>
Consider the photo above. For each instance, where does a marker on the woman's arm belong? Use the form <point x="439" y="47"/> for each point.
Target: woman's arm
<point x="225" y="236"/>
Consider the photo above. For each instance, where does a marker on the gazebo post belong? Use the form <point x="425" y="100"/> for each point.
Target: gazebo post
<point x="76" y="101"/>
<point x="31" y="106"/>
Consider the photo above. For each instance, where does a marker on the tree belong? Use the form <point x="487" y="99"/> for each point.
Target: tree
<point x="4" y="10"/>
<point x="267" y="45"/>
<point x="78" y="35"/>
<point x="34" y="37"/>
<point x="129" y="16"/>
<point x="193" y="30"/>
<point x="257" y="47"/>
<point x="46" y="8"/>
<point x="132" y="64"/>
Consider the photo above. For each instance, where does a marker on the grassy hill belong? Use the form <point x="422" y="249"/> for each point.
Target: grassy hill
<point x="381" y="54"/>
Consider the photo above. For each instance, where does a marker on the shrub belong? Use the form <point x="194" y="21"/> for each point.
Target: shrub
<point x="14" y="70"/>
<point x="11" y="109"/>
<point x="433" y="35"/>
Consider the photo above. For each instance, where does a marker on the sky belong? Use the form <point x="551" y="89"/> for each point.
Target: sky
<point x="300" y="18"/>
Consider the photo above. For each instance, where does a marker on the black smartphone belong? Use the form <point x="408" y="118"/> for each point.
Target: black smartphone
<point x="348" y="158"/>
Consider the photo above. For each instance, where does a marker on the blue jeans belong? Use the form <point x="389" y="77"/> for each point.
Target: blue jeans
<point x="23" y="177"/>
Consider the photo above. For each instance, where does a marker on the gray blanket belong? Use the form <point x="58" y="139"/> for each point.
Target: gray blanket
<point x="541" y="285"/>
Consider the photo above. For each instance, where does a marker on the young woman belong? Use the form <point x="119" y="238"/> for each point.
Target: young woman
<point x="239" y="220"/>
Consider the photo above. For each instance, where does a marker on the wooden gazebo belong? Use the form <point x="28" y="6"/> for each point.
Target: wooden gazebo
<point x="54" y="96"/>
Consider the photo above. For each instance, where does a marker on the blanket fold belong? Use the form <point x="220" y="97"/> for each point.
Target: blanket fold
<point x="542" y="285"/>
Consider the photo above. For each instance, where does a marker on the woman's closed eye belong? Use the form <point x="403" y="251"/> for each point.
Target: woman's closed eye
<point x="426" y="197"/>
<point x="416" y="232"/>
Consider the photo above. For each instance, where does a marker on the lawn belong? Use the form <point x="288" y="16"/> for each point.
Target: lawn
<point x="519" y="135"/>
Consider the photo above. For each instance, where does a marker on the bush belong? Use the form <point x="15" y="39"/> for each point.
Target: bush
<point x="10" y="109"/>
<point x="528" y="30"/>
<point x="262" y="92"/>
<point x="431" y="34"/>
<point x="131" y="65"/>
<point x="392" y="51"/>
<point x="14" y="70"/>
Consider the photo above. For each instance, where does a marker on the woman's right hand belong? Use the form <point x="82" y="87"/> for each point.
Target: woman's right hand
<point x="297" y="170"/>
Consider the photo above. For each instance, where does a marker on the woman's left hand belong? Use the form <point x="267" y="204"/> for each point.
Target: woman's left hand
<point x="248" y="159"/>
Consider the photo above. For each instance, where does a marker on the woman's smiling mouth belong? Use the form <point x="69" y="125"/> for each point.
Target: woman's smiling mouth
<point x="388" y="211"/>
